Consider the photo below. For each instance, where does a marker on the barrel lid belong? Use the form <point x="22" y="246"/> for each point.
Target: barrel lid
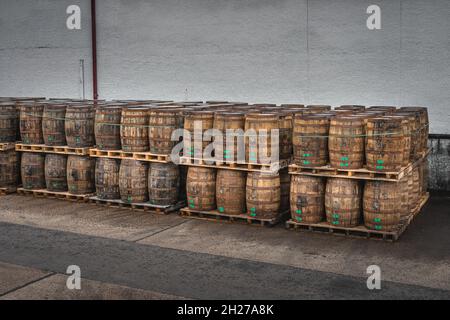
<point x="350" y="107"/>
<point x="292" y="105"/>
<point x="318" y="106"/>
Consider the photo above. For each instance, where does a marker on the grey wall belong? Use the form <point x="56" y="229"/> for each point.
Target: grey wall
<point x="251" y="50"/>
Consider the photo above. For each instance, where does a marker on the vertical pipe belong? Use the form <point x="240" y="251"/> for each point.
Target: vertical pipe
<point x="94" y="51"/>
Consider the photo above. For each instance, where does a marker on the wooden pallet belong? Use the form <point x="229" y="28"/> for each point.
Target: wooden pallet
<point x="147" y="207"/>
<point x="216" y="216"/>
<point x="360" y="174"/>
<point x="244" y="166"/>
<point x="360" y="231"/>
<point x="52" y="149"/>
<point x="119" y="154"/>
<point x="44" y="193"/>
<point x="6" y="191"/>
<point x="5" y="146"/>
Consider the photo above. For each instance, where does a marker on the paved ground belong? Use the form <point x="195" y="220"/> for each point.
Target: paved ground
<point x="130" y="255"/>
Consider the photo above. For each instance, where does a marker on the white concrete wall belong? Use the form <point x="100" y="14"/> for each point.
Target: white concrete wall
<point x="250" y="50"/>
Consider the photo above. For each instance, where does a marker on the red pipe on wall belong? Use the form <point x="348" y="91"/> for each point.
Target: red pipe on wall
<point x="94" y="51"/>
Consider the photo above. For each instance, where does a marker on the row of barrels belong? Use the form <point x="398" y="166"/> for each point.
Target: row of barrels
<point x="379" y="205"/>
<point x="260" y="195"/>
<point x="379" y="138"/>
<point x="129" y="180"/>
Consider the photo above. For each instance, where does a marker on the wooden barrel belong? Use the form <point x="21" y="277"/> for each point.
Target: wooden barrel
<point x="201" y="188"/>
<point x="414" y="136"/>
<point x="406" y="126"/>
<point x="192" y="144"/>
<point x="107" y="178"/>
<point x="285" y="189"/>
<point x="387" y="109"/>
<point x="234" y="122"/>
<point x="9" y="169"/>
<point x="292" y="106"/>
<point x="134" y="129"/>
<point x="53" y="124"/>
<point x="403" y="189"/>
<point x="80" y="174"/>
<point x="230" y="191"/>
<point x="311" y="140"/>
<point x="414" y="187"/>
<point x="351" y="107"/>
<point x="385" y="144"/>
<point x="9" y="122"/>
<point x="163" y="183"/>
<point x="32" y="170"/>
<point x="346" y="142"/>
<point x="259" y="147"/>
<point x="263" y="195"/>
<point x="56" y="172"/>
<point x="79" y="126"/>
<point x="107" y="127"/>
<point x="285" y="134"/>
<point x="424" y="127"/>
<point x="133" y="181"/>
<point x="31" y="122"/>
<point x="307" y="199"/>
<point x="343" y="202"/>
<point x="318" y="107"/>
<point x="381" y="205"/>
<point x="163" y="122"/>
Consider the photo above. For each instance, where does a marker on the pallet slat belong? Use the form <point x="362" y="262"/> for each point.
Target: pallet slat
<point x="52" y="149"/>
<point x="119" y="154"/>
<point x="253" y="167"/>
<point x="216" y="216"/>
<point x="6" y="191"/>
<point x="147" y="207"/>
<point x="5" y="146"/>
<point x="359" y="174"/>
<point x="43" y="193"/>
<point x="360" y="231"/>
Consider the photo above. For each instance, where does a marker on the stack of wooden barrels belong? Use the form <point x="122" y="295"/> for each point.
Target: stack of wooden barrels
<point x="349" y="137"/>
<point x="380" y="139"/>
<point x="261" y="195"/>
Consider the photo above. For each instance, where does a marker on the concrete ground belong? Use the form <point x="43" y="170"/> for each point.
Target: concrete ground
<point x="124" y="254"/>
